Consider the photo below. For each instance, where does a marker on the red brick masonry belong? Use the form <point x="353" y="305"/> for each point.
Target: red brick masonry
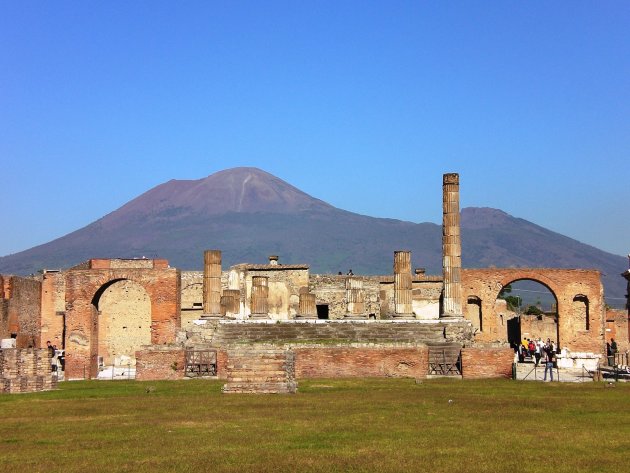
<point x="152" y="365"/>
<point x="349" y="362"/>
<point x="480" y="363"/>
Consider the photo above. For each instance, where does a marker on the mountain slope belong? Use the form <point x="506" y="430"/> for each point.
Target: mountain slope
<point x="249" y="214"/>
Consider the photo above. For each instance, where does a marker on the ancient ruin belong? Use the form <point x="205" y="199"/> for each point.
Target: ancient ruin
<point x="262" y="327"/>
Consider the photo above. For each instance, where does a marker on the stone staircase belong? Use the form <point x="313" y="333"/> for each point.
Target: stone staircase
<point x="331" y="333"/>
<point x="262" y="369"/>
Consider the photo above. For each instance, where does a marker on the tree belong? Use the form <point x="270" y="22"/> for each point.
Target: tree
<point x="513" y="302"/>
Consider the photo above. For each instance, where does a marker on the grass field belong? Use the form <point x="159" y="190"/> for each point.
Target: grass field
<point x="330" y="425"/>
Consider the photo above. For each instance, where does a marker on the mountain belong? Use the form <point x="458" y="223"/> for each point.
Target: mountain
<point x="250" y="214"/>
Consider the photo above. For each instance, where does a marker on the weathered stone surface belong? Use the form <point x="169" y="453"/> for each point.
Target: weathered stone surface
<point x="86" y="285"/>
<point x="25" y="370"/>
<point x="565" y="284"/>
<point x="451" y="247"/>
<point x="159" y="362"/>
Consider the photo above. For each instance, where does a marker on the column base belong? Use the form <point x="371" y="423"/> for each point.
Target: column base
<point x="306" y="317"/>
<point x="259" y="316"/>
<point x="355" y="317"/>
<point x="404" y="316"/>
<point x="211" y="316"/>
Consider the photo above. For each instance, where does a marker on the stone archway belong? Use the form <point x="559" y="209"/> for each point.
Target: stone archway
<point x="87" y="283"/>
<point x="579" y="295"/>
<point x="532" y="320"/>
<point x="124" y="322"/>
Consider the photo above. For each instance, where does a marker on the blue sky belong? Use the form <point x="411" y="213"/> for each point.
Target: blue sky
<point x="362" y="104"/>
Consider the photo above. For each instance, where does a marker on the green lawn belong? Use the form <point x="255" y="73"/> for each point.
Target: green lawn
<point x="330" y="425"/>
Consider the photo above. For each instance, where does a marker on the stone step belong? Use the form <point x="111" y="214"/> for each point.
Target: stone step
<point x="258" y="388"/>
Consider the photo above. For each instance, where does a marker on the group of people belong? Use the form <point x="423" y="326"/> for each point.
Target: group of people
<point x="537" y="350"/>
<point x="611" y="351"/>
<point x="55" y="356"/>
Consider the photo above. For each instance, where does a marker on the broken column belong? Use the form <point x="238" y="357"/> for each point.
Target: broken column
<point x="451" y="248"/>
<point x="355" y="304"/>
<point x="260" y="295"/>
<point x="307" y="308"/>
<point x="402" y="285"/>
<point x="231" y="302"/>
<point x="212" y="283"/>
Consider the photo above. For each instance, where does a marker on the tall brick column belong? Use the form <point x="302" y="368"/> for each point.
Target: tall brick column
<point x="355" y="308"/>
<point x="260" y="295"/>
<point x="212" y="282"/>
<point x="451" y="248"/>
<point x="307" y="307"/>
<point x="402" y="285"/>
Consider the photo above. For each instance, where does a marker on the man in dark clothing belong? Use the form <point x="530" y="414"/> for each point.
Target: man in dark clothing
<point x="549" y="356"/>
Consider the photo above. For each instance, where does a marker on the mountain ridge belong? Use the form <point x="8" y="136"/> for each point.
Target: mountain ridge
<point x="249" y="214"/>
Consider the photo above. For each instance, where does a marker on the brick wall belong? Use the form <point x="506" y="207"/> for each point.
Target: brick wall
<point x="617" y="328"/>
<point x="480" y="363"/>
<point x="25" y="370"/>
<point x="85" y="286"/>
<point x="565" y="284"/>
<point x="222" y="362"/>
<point x="349" y="362"/>
<point x="20" y="310"/>
<point x="160" y="363"/>
<point x="53" y="308"/>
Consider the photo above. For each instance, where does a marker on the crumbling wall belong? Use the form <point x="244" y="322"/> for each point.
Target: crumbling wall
<point x="20" y="310"/>
<point x="160" y="362"/>
<point x="285" y="283"/>
<point x="330" y="290"/>
<point x="617" y="328"/>
<point x="25" y="370"/>
<point x="535" y="327"/>
<point x="53" y="308"/>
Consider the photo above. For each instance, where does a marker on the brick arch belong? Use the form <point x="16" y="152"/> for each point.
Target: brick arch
<point x="565" y="284"/>
<point x="539" y="278"/>
<point x="86" y="283"/>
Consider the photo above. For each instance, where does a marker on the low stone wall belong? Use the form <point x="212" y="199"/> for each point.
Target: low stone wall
<point x="351" y="362"/>
<point x="482" y="363"/>
<point x="25" y="370"/>
<point x="157" y="362"/>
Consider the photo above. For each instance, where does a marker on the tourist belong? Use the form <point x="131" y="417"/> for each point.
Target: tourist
<point x="537" y="353"/>
<point x="550" y="355"/>
<point x="609" y="354"/>
<point x="51" y="349"/>
<point x="53" y="359"/>
<point x="613" y="349"/>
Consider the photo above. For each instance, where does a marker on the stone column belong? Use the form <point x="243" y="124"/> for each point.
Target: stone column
<point x="451" y="248"/>
<point x="212" y="283"/>
<point x="232" y="301"/>
<point x="260" y="294"/>
<point x="354" y="298"/>
<point x="402" y="285"/>
<point x="307" y="307"/>
<point x="226" y="301"/>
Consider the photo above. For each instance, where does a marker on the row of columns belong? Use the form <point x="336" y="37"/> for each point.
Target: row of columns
<point x="217" y="305"/>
